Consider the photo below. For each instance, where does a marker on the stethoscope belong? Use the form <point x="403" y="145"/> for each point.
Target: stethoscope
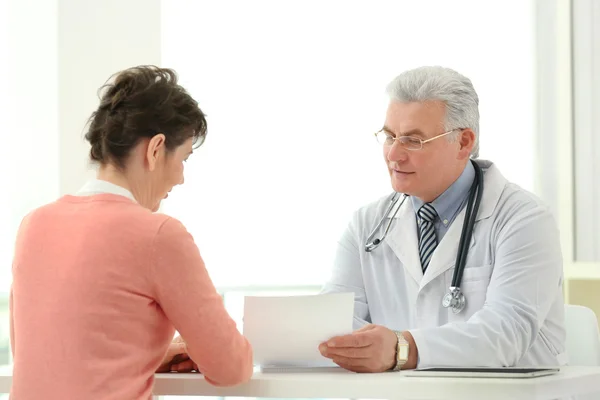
<point x="455" y="298"/>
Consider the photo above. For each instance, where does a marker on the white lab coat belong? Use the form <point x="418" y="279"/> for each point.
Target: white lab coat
<point x="512" y="281"/>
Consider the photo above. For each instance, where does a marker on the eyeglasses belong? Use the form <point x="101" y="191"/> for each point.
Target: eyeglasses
<point x="407" y="142"/>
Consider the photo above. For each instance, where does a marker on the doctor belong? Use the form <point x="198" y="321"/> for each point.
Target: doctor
<point x="507" y="307"/>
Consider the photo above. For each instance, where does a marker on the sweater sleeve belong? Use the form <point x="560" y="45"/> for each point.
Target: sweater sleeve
<point x="189" y="299"/>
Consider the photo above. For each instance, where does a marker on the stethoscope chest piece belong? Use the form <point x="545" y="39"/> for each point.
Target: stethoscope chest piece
<point x="455" y="299"/>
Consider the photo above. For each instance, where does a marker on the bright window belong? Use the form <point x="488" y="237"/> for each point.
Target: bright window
<point x="293" y="92"/>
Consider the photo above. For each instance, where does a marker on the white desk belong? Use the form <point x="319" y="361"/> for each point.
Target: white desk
<point x="569" y="382"/>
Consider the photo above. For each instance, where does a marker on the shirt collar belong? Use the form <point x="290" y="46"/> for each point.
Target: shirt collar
<point x="97" y="186"/>
<point x="448" y="203"/>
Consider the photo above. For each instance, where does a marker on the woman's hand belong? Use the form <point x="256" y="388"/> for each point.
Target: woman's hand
<point x="177" y="358"/>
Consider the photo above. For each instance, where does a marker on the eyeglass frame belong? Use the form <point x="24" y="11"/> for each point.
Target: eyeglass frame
<point x="414" y="137"/>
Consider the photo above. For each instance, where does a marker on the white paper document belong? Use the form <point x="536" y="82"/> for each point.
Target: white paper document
<point x="286" y="331"/>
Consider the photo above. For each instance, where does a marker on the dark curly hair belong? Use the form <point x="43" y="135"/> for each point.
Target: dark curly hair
<point x="141" y="102"/>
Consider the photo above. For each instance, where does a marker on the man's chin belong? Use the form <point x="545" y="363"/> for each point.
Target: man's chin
<point x="401" y="187"/>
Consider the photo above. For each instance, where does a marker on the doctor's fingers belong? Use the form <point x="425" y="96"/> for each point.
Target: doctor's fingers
<point x="347" y="352"/>
<point x="357" y="364"/>
<point x="356" y="339"/>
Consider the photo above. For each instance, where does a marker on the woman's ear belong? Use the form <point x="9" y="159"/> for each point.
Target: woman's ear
<point x="466" y="141"/>
<point x="156" y="149"/>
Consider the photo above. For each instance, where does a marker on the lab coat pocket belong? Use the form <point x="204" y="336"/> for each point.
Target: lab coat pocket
<point x="476" y="276"/>
<point x="475" y="281"/>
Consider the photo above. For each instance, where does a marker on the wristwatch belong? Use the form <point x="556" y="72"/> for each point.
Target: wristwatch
<point x="401" y="352"/>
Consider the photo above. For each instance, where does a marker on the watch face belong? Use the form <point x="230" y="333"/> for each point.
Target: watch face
<point x="403" y="352"/>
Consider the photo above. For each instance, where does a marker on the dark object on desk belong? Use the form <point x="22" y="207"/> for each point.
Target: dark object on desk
<point x="483" y="372"/>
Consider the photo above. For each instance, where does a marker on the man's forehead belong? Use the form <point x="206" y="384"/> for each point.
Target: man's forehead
<point x="402" y="117"/>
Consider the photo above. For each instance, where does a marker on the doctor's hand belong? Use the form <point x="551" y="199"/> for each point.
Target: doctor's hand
<point x="371" y="348"/>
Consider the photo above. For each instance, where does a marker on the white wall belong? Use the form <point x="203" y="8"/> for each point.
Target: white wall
<point x="32" y="139"/>
<point x="59" y="53"/>
<point x="5" y="150"/>
<point x="586" y="124"/>
<point x="96" y="39"/>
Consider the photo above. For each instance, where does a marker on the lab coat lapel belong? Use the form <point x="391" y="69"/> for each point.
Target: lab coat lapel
<point x="444" y="256"/>
<point x="403" y="240"/>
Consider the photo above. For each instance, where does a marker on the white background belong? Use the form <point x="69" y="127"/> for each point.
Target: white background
<point x="293" y="92"/>
<point x="5" y="228"/>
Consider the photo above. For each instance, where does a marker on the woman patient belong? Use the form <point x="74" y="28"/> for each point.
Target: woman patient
<point x="100" y="282"/>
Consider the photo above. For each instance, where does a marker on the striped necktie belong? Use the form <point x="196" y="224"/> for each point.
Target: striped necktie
<point x="427" y="239"/>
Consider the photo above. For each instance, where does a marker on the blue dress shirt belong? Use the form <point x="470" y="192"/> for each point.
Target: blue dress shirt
<point x="450" y="202"/>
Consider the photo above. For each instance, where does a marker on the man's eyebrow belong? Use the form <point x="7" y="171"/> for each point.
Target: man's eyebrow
<point x="412" y="132"/>
<point x="388" y="130"/>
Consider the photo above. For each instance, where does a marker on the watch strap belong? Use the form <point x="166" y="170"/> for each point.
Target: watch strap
<point x="401" y="351"/>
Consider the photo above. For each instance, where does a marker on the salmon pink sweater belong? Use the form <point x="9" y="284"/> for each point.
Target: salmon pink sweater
<point x="100" y="284"/>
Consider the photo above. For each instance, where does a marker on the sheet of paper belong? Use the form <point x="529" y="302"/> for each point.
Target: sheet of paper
<point x="286" y="331"/>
